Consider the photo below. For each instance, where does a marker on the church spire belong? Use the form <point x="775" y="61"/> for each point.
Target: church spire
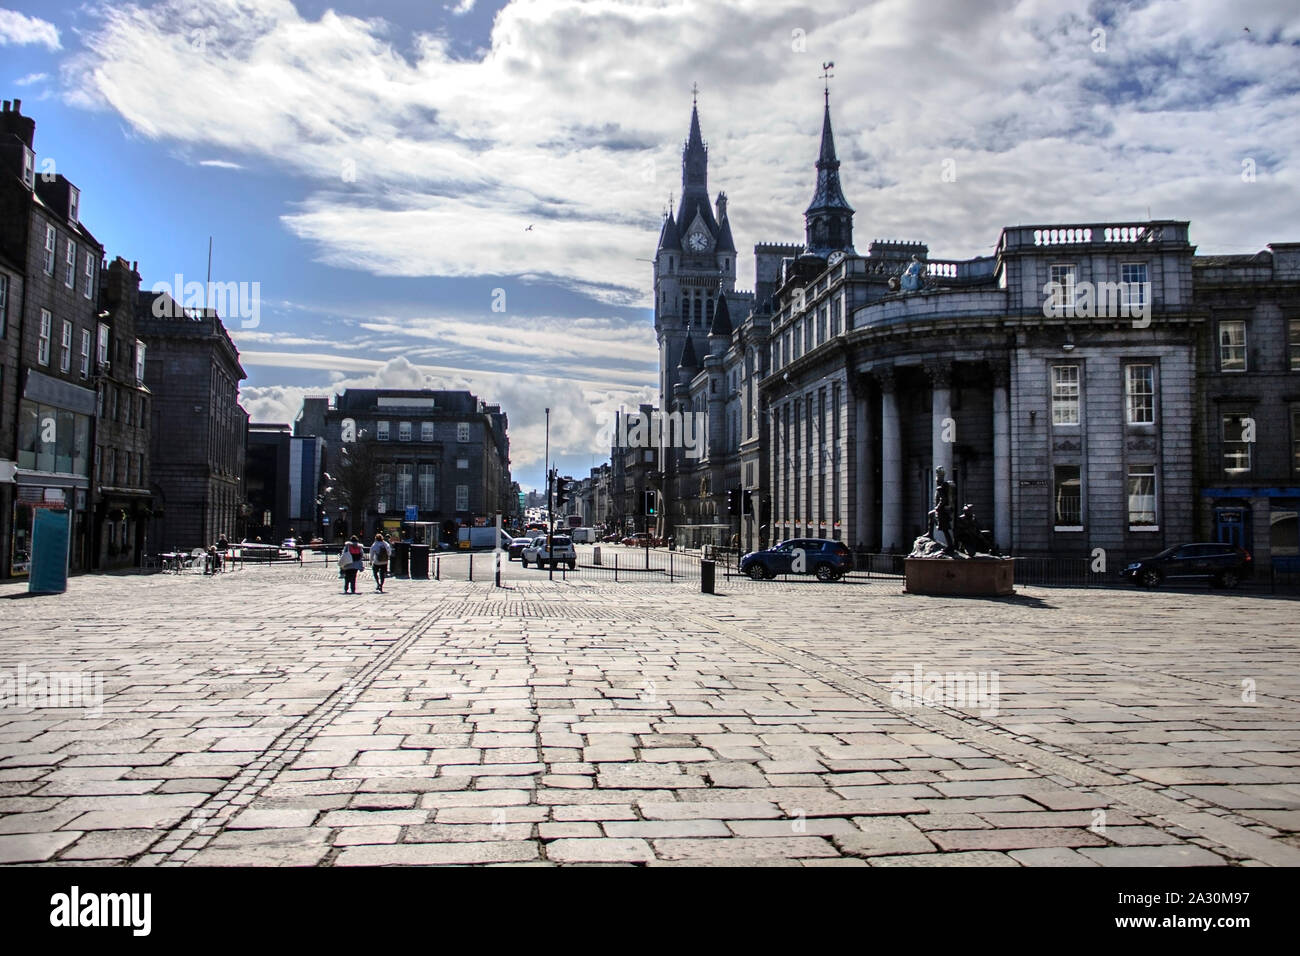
<point x="829" y="218"/>
<point x="695" y="155"/>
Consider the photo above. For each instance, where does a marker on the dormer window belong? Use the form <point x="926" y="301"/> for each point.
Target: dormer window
<point x="74" y="203"/>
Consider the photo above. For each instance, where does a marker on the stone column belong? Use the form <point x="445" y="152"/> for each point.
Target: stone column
<point x="861" y="525"/>
<point x="1001" y="455"/>
<point x="891" y="463"/>
<point x="943" y="431"/>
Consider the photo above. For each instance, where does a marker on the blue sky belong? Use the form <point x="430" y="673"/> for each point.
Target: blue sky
<point x="375" y="166"/>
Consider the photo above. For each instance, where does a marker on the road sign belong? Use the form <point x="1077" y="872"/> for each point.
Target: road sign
<point x="412" y="513"/>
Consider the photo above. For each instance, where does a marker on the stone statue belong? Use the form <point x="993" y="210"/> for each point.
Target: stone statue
<point x="969" y="536"/>
<point x="910" y="280"/>
<point x="940" y="517"/>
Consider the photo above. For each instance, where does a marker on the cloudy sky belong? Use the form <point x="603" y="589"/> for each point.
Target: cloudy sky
<point x="376" y="166"/>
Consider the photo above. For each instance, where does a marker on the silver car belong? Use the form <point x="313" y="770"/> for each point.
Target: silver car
<point x="561" y="551"/>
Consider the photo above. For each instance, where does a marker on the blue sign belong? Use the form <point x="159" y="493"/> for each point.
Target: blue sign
<point x="325" y="520"/>
<point x="49" y="567"/>
<point x="412" y="513"/>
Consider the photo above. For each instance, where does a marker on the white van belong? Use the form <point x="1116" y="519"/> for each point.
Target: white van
<point x="585" y="535"/>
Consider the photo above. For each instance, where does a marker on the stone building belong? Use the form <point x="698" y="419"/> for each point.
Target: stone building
<point x="1085" y="387"/>
<point x="122" y="502"/>
<point x="712" y="353"/>
<point x="49" y="278"/>
<point x="282" y="474"/>
<point x="1247" y="441"/>
<point x="446" y="454"/>
<point x="199" y="429"/>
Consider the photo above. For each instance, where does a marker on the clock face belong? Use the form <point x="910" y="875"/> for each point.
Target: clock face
<point x="834" y="257"/>
<point x="697" y="242"/>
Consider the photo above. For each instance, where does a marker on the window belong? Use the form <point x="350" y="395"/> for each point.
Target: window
<point x="139" y="362"/>
<point x="1236" y="449"/>
<point x="403" y="431"/>
<point x="70" y="256"/>
<point x="462" y="431"/>
<point x="43" y="343"/>
<point x="102" y="354"/>
<point x="1293" y="339"/>
<point x="4" y="304"/>
<point x="1068" y="499"/>
<point x="65" y="347"/>
<point x="462" y="462"/>
<point x="1062" y="276"/>
<point x="126" y="409"/>
<point x="112" y="405"/>
<point x="1142" y="498"/>
<point x="428" y="489"/>
<point x="29" y="168"/>
<point x="405" y="487"/>
<point x="1232" y="345"/>
<point x="51" y="246"/>
<point x="381" y="431"/>
<point x="74" y="203"/>
<point x="426" y="431"/>
<point x="85" y="353"/>
<point x="1065" y="394"/>
<point x="1133" y="279"/>
<point x="462" y="497"/>
<point x="89" y="290"/>
<point x="1140" y="394"/>
<point x="1295" y="440"/>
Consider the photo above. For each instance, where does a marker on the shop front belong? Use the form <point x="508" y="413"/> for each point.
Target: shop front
<point x="53" y="465"/>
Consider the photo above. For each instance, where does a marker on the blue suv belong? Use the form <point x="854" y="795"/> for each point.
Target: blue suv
<point x="829" y="560"/>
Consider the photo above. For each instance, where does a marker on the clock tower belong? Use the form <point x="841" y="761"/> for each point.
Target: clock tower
<point x="828" y="220"/>
<point x="694" y="264"/>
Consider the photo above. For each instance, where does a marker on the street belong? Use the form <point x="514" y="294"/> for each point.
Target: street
<point x="261" y="717"/>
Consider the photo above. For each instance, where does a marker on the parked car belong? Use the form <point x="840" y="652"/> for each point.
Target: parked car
<point x="829" y="560"/>
<point x="517" y="546"/>
<point x="641" y="540"/>
<point x="1223" y="565"/>
<point x="561" y="551"/>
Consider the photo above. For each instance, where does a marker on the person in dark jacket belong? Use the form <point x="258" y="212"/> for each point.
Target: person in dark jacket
<point x="379" y="561"/>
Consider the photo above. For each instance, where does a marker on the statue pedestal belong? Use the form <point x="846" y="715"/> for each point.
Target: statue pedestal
<point x="968" y="577"/>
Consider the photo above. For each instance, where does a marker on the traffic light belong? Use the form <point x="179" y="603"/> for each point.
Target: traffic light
<point x="733" y="501"/>
<point x="561" y="493"/>
<point x="746" y="504"/>
<point x="650" y="504"/>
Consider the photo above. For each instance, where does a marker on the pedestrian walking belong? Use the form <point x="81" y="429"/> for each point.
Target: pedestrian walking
<point x="379" y="552"/>
<point x="351" y="560"/>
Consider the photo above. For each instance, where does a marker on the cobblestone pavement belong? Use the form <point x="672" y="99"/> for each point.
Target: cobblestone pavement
<point x="261" y="717"/>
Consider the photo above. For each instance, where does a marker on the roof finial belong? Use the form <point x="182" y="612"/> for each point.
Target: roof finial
<point x="695" y="93"/>
<point x="826" y="78"/>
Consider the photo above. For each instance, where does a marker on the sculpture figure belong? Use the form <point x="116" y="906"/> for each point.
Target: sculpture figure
<point x="940" y="517"/>
<point x="910" y="280"/>
<point x="969" y="536"/>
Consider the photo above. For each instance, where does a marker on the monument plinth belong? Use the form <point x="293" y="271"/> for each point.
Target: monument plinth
<point x="955" y="557"/>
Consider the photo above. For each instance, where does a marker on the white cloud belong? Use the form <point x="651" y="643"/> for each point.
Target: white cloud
<point x="16" y="29"/>
<point x="461" y="8"/>
<point x="220" y="163"/>
<point x="30" y="79"/>
<point x="573" y="118"/>
<point x="580" y="410"/>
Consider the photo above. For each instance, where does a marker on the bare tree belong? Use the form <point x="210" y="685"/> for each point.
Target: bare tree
<point x="356" y="480"/>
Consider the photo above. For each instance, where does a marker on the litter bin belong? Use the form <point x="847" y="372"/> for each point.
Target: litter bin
<point x="401" y="559"/>
<point x="419" y="561"/>
<point x="706" y="576"/>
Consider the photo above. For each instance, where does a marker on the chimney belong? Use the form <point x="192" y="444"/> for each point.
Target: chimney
<point x="13" y="122"/>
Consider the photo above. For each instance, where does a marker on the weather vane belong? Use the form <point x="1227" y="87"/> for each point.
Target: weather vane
<point x="826" y="78"/>
<point x="695" y="92"/>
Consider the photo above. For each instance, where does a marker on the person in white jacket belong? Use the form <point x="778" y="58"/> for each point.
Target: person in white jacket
<point x="351" y="561"/>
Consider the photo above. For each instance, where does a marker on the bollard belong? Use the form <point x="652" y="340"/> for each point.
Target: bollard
<point x="437" y="568"/>
<point x="595" y="556"/>
<point x="471" y="567"/>
<point x="616" y="567"/>
<point x="706" y="576"/>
